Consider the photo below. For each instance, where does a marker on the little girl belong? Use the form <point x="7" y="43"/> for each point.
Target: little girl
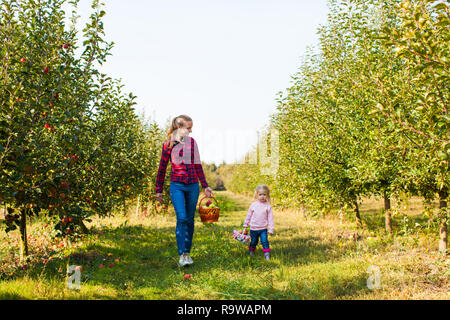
<point x="260" y="216"/>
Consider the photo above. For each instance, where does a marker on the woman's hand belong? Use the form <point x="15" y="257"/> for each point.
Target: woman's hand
<point x="159" y="198"/>
<point x="208" y="192"/>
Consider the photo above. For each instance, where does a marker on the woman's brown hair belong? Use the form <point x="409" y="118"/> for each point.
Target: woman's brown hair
<point x="177" y="122"/>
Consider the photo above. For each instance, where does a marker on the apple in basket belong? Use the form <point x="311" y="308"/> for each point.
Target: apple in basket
<point x="209" y="204"/>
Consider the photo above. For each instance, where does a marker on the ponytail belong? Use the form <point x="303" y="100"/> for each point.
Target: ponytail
<point x="177" y="122"/>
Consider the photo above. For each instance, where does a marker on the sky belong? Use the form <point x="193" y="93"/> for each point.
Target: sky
<point x="222" y="62"/>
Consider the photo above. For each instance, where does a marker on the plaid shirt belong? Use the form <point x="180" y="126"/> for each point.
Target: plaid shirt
<point x="185" y="161"/>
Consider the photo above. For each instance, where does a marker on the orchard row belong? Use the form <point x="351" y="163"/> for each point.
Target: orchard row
<point x="71" y="145"/>
<point x="367" y="114"/>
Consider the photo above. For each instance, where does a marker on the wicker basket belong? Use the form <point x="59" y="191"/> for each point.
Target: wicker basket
<point x="241" y="236"/>
<point x="208" y="214"/>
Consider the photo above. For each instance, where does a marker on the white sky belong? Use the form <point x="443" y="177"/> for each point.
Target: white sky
<point x="222" y="62"/>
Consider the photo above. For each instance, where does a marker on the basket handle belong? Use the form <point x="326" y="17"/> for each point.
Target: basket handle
<point x="207" y="197"/>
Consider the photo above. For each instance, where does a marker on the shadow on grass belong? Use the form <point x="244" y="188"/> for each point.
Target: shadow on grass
<point x="11" y="296"/>
<point x="147" y="264"/>
<point x="375" y="220"/>
<point x="148" y="259"/>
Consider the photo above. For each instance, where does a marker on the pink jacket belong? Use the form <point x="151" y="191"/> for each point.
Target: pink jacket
<point x="259" y="216"/>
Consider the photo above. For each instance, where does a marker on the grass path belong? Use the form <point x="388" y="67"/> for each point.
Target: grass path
<point x="310" y="260"/>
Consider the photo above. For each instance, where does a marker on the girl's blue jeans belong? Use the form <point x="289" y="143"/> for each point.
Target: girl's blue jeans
<point x="255" y="235"/>
<point x="184" y="199"/>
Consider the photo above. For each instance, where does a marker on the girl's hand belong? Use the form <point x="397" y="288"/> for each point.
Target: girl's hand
<point x="208" y="192"/>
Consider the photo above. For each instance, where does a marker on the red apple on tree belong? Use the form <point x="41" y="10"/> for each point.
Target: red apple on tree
<point x="49" y="127"/>
<point x="64" y="184"/>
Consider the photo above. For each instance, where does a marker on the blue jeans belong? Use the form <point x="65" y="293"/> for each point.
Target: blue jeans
<point x="255" y="235"/>
<point x="184" y="199"/>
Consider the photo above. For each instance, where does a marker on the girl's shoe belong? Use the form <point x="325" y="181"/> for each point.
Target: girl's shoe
<point x="267" y="255"/>
<point x="188" y="258"/>
<point x="182" y="262"/>
<point x="251" y="253"/>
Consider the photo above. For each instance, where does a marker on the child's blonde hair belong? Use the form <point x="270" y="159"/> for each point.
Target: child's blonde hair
<point x="262" y="187"/>
<point x="179" y="121"/>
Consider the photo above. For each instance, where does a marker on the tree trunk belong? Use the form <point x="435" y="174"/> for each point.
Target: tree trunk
<point x="443" y="226"/>
<point x="137" y="206"/>
<point x="341" y="215"/>
<point x="387" y="212"/>
<point x="357" y="215"/>
<point x="23" y="235"/>
<point x="303" y="211"/>
<point x="83" y="227"/>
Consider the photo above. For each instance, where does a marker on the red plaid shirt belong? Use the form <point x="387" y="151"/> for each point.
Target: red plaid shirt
<point x="185" y="161"/>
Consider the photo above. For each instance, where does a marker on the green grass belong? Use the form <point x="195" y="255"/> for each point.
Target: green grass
<point x="309" y="261"/>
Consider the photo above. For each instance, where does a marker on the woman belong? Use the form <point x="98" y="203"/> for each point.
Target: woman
<point x="182" y="151"/>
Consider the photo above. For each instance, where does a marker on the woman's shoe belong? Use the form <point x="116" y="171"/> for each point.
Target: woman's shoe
<point x="182" y="262"/>
<point x="267" y="255"/>
<point x="188" y="259"/>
